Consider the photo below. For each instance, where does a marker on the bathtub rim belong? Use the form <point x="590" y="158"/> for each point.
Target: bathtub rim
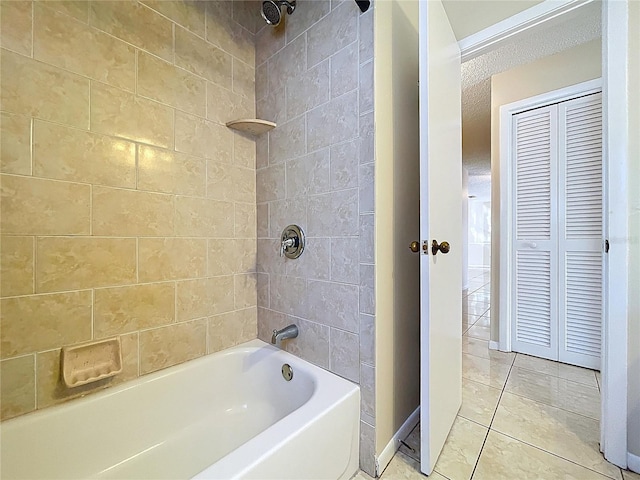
<point x="252" y="345"/>
<point x="336" y="390"/>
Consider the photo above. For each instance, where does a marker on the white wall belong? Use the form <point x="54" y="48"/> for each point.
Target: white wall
<point x="479" y="232"/>
<point x="465" y="228"/>
<point x="397" y="221"/>
<point x="563" y="69"/>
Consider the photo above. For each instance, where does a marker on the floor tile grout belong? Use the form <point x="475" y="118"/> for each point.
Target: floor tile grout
<point x="560" y="378"/>
<point x="549" y="405"/>
<point x="557" y="376"/>
<point x="492" y="419"/>
<point x="551" y="453"/>
<point x="490" y="359"/>
<point x="411" y="453"/>
<point x="479" y="383"/>
<point x="503" y="390"/>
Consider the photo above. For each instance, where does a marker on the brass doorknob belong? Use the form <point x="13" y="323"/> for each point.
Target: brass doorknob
<point x="444" y="247"/>
<point x="414" y="247"/>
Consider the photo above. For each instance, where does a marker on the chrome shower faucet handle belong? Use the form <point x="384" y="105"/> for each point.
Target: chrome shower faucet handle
<point x="286" y="244"/>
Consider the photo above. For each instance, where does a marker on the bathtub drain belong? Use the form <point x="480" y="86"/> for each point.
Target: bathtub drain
<point x="287" y="372"/>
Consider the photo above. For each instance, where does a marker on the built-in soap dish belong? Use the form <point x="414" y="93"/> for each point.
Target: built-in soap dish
<point x="90" y="362"/>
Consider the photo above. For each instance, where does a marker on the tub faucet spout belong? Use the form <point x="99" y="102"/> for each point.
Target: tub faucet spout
<point x="290" y="331"/>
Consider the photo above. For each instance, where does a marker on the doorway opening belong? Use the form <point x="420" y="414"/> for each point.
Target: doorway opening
<point x="614" y="429"/>
<point x="500" y="382"/>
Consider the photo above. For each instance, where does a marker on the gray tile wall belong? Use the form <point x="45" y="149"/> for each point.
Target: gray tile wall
<point x="314" y="77"/>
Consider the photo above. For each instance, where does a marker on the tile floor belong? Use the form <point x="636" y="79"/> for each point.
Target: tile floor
<point x="521" y="417"/>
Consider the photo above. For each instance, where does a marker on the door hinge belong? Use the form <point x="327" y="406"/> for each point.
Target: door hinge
<point x="606" y="246"/>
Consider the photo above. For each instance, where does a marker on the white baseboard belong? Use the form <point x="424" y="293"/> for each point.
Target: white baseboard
<point x="394" y="444"/>
<point x="493" y="345"/>
<point x="633" y="462"/>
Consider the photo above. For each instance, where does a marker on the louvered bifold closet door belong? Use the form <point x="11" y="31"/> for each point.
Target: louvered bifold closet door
<point x="534" y="231"/>
<point x="580" y="241"/>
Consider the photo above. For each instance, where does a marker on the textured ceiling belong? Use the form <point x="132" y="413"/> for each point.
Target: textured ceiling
<point x="581" y="26"/>
<point x="470" y="16"/>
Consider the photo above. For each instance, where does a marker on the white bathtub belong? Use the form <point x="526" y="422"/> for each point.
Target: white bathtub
<point x="227" y="415"/>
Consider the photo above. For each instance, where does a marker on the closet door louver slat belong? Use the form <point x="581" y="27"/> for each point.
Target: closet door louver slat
<point x="533" y="173"/>
<point x="583" y="303"/>
<point x="583" y="173"/>
<point x="533" y="290"/>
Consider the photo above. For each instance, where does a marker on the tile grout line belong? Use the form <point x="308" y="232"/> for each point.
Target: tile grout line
<point x="554" y="454"/>
<point x="529" y="369"/>
<point x="492" y="418"/>
<point x="93" y="313"/>
<point x="35" y="381"/>
<point x="33" y="29"/>
<point x="484" y="358"/>
<point x="488" y="428"/>
<point x="31" y="145"/>
<point x="552" y="406"/>
<point x="519" y="440"/>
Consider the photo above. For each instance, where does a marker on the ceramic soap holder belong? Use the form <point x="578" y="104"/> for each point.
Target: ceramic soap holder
<point x="90" y="362"/>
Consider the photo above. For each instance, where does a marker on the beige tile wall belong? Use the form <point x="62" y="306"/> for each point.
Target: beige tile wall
<point x="128" y="208"/>
<point x="314" y="77"/>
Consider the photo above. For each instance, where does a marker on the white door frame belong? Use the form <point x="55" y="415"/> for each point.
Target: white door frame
<point x="615" y="104"/>
<point x="506" y="192"/>
<point x="615" y="128"/>
<point x="498" y="34"/>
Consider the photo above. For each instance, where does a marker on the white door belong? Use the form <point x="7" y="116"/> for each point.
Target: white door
<point x="440" y="220"/>
<point x="580" y="252"/>
<point x="535" y="292"/>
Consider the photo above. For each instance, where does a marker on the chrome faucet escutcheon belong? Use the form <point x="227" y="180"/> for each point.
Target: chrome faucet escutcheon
<point x="292" y="242"/>
<point x="290" y="331"/>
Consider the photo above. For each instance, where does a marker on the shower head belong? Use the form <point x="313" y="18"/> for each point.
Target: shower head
<point x="272" y="13"/>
